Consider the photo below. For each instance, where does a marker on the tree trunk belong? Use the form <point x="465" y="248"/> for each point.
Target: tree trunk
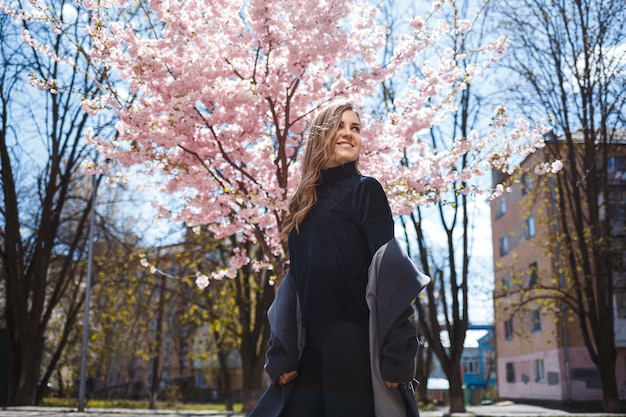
<point x="22" y="392"/>
<point x="252" y="385"/>
<point x="606" y="368"/>
<point x="422" y="371"/>
<point x="255" y="335"/>
<point x="252" y="368"/>
<point x="225" y="380"/>
<point x="457" y="400"/>
<point x="610" y="398"/>
<point x="224" y="375"/>
<point x="23" y="368"/>
<point x="58" y="350"/>
<point x="158" y="348"/>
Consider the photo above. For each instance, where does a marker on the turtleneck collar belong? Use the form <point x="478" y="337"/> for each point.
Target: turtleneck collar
<point x="339" y="173"/>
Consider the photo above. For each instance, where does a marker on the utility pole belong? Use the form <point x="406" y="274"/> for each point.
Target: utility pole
<point x="83" y="358"/>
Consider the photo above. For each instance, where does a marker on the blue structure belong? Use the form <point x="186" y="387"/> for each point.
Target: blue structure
<point x="478" y="364"/>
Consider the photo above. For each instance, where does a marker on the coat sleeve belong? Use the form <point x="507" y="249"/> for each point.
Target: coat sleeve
<point x="282" y="352"/>
<point x="399" y="282"/>
<point x="399" y="350"/>
<point x="276" y="359"/>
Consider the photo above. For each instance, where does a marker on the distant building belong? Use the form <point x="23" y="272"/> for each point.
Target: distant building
<point x="188" y="363"/>
<point x="478" y="365"/>
<point x="541" y="355"/>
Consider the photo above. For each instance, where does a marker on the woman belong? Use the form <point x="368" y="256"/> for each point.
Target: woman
<point x="319" y="352"/>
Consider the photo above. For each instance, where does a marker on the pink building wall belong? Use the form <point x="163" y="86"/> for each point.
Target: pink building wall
<point x="584" y="384"/>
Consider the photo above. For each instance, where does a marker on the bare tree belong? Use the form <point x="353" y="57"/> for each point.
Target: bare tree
<point x="569" y="59"/>
<point x="41" y="147"/>
<point x="446" y="305"/>
<point x="115" y="259"/>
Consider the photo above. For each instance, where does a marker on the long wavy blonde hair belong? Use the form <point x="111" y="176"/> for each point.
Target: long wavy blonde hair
<point x="319" y="150"/>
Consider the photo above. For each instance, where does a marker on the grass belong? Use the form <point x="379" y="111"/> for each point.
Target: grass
<point x="133" y="404"/>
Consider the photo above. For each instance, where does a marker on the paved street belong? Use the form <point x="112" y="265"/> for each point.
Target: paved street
<point x="504" y="409"/>
<point x="100" y="412"/>
<point x="510" y="409"/>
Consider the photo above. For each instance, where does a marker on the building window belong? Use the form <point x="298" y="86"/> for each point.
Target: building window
<point x="500" y="206"/>
<point x="470" y="365"/>
<point x="617" y="212"/>
<point x="113" y="379"/>
<point x="510" y="372"/>
<point x="508" y="329"/>
<point x="527" y="184"/>
<point x="539" y="371"/>
<point x="490" y="364"/>
<point x="620" y="303"/>
<point x="200" y="380"/>
<point x="184" y="350"/>
<point x="168" y="349"/>
<point x="535" y="320"/>
<point x="506" y="283"/>
<point x="616" y="169"/>
<point x="504" y="245"/>
<point x="533" y="275"/>
<point x="529" y="227"/>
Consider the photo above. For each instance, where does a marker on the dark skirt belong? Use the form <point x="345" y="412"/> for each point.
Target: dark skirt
<point x="334" y="376"/>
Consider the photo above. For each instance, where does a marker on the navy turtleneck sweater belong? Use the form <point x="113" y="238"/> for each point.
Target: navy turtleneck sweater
<point x="332" y="252"/>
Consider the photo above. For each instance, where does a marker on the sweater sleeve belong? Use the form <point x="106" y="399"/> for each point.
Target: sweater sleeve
<point x="375" y="214"/>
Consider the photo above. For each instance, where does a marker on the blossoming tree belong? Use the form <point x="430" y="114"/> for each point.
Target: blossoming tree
<point x="217" y="98"/>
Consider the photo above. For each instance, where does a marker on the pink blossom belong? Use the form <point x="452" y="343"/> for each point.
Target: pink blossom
<point x="463" y="26"/>
<point x="217" y="100"/>
<point x="556" y="166"/>
<point x="542" y="169"/>
<point x="202" y="281"/>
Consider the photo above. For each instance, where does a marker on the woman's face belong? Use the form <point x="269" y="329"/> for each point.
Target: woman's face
<point x="347" y="140"/>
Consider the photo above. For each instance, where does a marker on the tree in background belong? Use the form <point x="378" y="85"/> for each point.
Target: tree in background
<point x="569" y="60"/>
<point x="43" y="212"/>
<point x="113" y="326"/>
<point x="237" y="307"/>
<point x="233" y="311"/>
<point x="140" y="321"/>
<point x="441" y="236"/>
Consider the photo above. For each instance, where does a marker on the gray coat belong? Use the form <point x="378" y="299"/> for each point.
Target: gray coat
<point x="393" y="282"/>
<point x="390" y="330"/>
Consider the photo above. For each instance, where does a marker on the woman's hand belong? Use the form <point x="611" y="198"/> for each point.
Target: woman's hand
<point x="390" y="384"/>
<point x="288" y="376"/>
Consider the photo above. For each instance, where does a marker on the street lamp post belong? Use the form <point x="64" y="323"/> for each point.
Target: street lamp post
<point x="83" y="358"/>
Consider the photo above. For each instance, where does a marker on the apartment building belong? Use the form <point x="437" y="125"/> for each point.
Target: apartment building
<point x="541" y="354"/>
